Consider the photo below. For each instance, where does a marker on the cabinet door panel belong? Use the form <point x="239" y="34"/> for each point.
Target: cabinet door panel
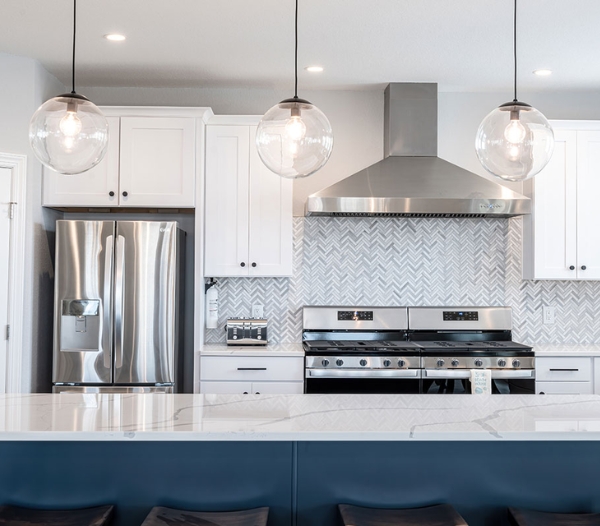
<point x="588" y="212"/>
<point x="226" y="220"/>
<point x="554" y="216"/>
<point x="270" y="219"/>
<point x="563" y="388"/>
<point x="158" y="161"/>
<point x="91" y="188"/>
<point x="277" y="387"/>
<point x="225" y="387"/>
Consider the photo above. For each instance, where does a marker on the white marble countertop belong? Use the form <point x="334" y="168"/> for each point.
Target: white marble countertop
<point x="574" y="349"/>
<point x="284" y="349"/>
<point x="298" y="417"/>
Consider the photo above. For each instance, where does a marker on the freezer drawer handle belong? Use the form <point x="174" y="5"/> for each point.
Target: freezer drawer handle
<point x="106" y="329"/>
<point x="565" y="370"/>
<point x="251" y="368"/>
<point x="119" y="293"/>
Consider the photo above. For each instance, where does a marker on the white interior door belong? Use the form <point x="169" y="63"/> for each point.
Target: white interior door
<point x="5" y="213"/>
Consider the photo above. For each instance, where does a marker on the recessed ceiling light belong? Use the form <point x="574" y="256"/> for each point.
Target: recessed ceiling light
<point x="543" y="72"/>
<point x="114" y="37"/>
<point x="314" y="69"/>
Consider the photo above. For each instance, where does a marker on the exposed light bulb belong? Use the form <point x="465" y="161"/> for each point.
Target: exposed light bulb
<point x="70" y="124"/>
<point x="295" y="128"/>
<point x="515" y="132"/>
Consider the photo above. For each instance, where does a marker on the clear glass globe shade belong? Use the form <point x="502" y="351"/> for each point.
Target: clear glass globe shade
<point x="294" y="139"/>
<point x="69" y="134"/>
<point x="514" y="142"/>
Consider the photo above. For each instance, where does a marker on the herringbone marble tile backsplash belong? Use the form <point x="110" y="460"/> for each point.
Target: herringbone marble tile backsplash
<point x="405" y="261"/>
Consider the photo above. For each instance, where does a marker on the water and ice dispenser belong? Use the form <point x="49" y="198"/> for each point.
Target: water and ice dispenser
<point x="80" y="325"/>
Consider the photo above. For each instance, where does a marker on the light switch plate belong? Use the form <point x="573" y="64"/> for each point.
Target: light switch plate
<point x="549" y="315"/>
<point x="258" y="311"/>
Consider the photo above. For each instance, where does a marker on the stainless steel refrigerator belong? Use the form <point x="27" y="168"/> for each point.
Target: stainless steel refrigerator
<point x="117" y="306"/>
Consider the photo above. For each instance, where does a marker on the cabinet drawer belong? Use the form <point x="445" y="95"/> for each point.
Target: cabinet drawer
<point x="252" y="368"/>
<point x="563" y="369"/>
<point x="563" y="387"/>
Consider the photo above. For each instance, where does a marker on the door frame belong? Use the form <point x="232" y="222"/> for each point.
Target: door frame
<point x="16" y="271"/>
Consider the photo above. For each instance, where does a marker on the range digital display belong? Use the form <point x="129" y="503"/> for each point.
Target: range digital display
<point x="355" y="315"/>
<point x="458" y="315"/>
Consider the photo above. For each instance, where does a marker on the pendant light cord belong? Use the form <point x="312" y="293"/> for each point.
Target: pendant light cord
<point x="515" y="47"/>
<point x="74" y="33"/>
<point x="296" y="55"/>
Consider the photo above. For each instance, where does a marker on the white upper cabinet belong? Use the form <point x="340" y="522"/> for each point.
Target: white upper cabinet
<point x="96" y="187"/>
<point x="157" y="161"/>
<point x="248" y="226"/>
<point x="152" y="160"/>
<point x="561" y="238"/>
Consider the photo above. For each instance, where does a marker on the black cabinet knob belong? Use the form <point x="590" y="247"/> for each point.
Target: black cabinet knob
<point x="254" y="264"/>
<point x="572" y="267"/>
<point x="583" y="267"/>
<point x="542" y="392"/>
<point x="125" y="194"/>
<point x="257" y="392"/>
<point x="242" y="264"/>
<point x="245" y="392"/>
<point x="112" y="194"/>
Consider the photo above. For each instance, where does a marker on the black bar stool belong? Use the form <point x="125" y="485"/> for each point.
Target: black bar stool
<point x="15" y="516"/>
<point x="438" y="515"/>
<point x="523" y="517"/>
<point x="160" y="516"/>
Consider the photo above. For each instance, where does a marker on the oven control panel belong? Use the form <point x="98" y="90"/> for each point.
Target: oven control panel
<point x="355" y="315"/>
<point x="457" y="315"/>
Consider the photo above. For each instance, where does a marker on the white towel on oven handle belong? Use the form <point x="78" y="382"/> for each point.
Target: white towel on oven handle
<point x="481" y="381"/>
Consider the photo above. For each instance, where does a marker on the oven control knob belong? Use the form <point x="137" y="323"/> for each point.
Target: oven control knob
<point x="386" y="363"/>
<point x="339" y="363"/>
<point x="501" y="363"/>
<point x="440" y="362"/>
<point x="455" y="363"/>
<point x="325" y="363"/>
<point x="401" y="363"/>
<point x="478" y="362"/>
<point x="363" y="363"/>
<point x="516" y="363"/>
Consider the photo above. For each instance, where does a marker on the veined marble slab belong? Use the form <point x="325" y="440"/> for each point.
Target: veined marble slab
<point x="284" y="349"/>
<point x="298" y="417"/>
<point x="567" y="350"/>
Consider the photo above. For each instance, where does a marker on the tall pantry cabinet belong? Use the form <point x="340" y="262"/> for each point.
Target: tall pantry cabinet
<point x="562" y="236"/>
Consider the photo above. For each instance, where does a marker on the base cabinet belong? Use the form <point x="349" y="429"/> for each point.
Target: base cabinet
<point x="564" y="375"/>
<point x="252" y="374"/>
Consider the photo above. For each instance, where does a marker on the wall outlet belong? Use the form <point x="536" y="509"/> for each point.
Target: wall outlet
<point x="549" y="315"/>
<point x="257" y="311"/>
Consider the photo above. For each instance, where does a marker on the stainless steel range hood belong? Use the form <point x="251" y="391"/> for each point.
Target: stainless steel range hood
<point x="412" y="181"/>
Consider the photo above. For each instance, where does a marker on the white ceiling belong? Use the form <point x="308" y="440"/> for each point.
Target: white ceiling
<point x="464" y="45"/>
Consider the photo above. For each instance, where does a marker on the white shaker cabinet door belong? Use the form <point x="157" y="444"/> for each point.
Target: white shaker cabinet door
<point x="550" y="234"/>
<point x="91" y="188"/>
<point x="158" y="162"/>
<point x="277" y="387"/>
<point x="270" y="219"/>
<point x="588" y="211"/>
<point x="225" y="387"/>
<point x="226" y="219"/>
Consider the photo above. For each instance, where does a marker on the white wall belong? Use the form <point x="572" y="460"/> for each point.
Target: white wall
<point x="356" y="118"/>
<point x="25" y="85"/>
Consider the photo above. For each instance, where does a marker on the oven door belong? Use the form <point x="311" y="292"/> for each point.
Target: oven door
<point x="443" y="381"/>
<point x="350" y="381"/>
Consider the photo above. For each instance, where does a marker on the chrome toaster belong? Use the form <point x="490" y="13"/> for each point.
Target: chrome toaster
<point x="246" y="331"/>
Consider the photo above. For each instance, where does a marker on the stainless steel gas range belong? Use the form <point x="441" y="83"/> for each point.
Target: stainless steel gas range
<point x="412" y="350"/>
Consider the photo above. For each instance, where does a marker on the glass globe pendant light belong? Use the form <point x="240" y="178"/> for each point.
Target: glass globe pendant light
<point x="515" y="141"/>
<point x="68" y="133"/>
<point x="294" y="138"/>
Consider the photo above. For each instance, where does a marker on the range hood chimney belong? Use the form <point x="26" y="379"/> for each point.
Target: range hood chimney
<point x="412" y="181"/>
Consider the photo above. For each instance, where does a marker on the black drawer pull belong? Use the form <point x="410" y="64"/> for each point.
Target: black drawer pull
<point x="251" y="368"/>
<point x="572" y="370"/>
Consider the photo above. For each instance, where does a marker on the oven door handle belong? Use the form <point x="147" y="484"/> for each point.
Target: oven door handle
<point x="337" y="373"/>
<point x="466" y="373"/>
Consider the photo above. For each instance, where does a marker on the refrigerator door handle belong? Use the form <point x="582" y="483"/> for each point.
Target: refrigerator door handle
<point x="106" y="303"/>
<point x="119" y="293"/>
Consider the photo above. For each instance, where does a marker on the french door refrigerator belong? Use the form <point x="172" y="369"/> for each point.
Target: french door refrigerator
<point x="117" y="311"/>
